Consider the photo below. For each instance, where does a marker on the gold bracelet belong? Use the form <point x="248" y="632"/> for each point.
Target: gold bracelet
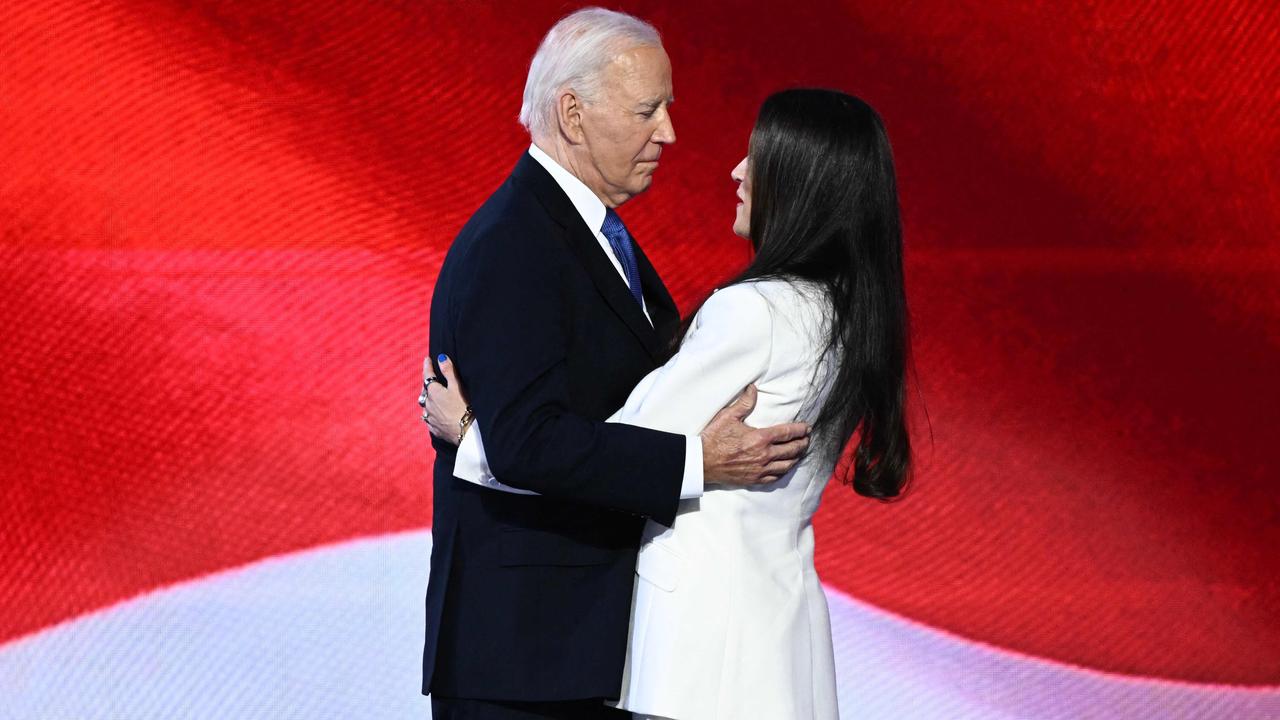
<point x="465" y="423"/>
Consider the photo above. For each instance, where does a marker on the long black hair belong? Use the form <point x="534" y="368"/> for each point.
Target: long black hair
<point x="824" y="208"/>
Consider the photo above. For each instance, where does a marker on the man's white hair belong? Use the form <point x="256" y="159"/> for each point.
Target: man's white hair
<point x="572" y="55"/>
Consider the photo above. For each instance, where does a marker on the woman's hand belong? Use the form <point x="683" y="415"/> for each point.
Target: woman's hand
<point x="443" y="408"/>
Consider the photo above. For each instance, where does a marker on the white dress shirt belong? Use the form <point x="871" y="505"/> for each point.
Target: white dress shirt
<point x="471" y="463"/>
<point x="588" y="206"/>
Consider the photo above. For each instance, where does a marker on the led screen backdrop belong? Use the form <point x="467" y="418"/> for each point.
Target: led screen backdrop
<point x="221" y="226"/>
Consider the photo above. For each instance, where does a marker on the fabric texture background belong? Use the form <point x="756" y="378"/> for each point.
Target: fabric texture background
<point x="221" y="223"/>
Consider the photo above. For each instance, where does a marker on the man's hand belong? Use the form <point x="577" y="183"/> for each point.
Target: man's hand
<point x="735" y="454"/>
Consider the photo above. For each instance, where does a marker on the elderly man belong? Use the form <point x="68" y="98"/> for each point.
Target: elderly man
<point x="554" y="314"/>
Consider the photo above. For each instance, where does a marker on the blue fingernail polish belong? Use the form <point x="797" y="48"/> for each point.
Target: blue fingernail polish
<point x="442" y="358"/>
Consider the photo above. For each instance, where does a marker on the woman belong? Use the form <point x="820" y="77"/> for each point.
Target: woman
<point x="729" y="619"/>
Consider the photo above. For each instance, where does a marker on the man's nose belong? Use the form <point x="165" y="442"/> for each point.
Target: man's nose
<point x="666" y="132"/>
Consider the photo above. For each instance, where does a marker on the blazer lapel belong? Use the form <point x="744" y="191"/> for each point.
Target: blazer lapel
<point x="582" y="242"/>
<point x="662" y="308"/>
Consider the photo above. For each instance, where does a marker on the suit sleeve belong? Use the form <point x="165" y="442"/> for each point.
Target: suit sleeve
<point x="470" y="464"/>
<point x="511" y="346"/>
<point x="728" y="348"/>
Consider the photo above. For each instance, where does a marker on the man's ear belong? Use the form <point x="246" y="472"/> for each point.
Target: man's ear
<point x="569" y="115"/>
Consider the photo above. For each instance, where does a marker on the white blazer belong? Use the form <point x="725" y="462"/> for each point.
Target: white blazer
<point x="729" y="619"/>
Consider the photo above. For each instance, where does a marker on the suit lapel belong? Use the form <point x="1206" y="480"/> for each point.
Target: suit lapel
<point x="582" y="242"/>
<point x="662" y="308"/>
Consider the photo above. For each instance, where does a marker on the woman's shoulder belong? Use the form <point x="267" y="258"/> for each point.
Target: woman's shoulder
<point x="741" y="304"/>
<point x="764" y="298"/>
<point x="772" y="288"/>
<point x="782" y="295"/>
<point x="798" y="307"/>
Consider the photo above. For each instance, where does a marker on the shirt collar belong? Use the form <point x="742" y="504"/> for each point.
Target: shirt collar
<point x="584" y="201"/>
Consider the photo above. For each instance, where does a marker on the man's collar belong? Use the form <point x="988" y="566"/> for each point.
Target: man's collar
<point x="584" y="201"/>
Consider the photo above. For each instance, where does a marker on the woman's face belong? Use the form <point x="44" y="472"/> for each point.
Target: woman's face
<point x="742" y="222"/>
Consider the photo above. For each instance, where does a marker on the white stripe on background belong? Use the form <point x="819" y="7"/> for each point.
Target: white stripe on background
<point x="336" y="632"/>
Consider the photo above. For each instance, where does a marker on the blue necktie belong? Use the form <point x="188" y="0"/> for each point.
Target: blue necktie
<point x="620" y="241"/>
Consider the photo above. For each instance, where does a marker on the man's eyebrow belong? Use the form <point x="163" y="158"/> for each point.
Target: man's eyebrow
<point x="653" y="103"/>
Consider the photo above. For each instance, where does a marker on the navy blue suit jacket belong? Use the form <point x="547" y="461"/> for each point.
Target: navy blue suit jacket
<point x="529" y="596"/>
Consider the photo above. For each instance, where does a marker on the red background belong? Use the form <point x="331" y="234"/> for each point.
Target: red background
<point x="222" y="221"/>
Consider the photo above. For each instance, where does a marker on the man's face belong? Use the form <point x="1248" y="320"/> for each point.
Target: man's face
<point x="627" y="125"/>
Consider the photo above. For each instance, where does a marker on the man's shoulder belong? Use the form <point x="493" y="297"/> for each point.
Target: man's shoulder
<point x="511" y="222"/>
<point x="510" y="206"/>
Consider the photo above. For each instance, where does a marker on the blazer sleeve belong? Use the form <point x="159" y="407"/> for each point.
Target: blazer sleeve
<point x="511" y="340"/>
<point x="728" y="347"/>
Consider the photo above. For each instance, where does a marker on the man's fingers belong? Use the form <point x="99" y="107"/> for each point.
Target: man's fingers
<point x="789" y="450"/>
<point x="785" y="433"/>
<point x="742" y="405"/>
<point x="778" y="468"/>
<point x="739" y="408"/>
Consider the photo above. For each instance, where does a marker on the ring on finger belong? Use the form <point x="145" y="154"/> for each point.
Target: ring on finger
<point x="422" y="396"/>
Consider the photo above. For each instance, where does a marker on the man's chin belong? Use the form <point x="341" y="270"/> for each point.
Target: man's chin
<point x="639" y="183"/>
